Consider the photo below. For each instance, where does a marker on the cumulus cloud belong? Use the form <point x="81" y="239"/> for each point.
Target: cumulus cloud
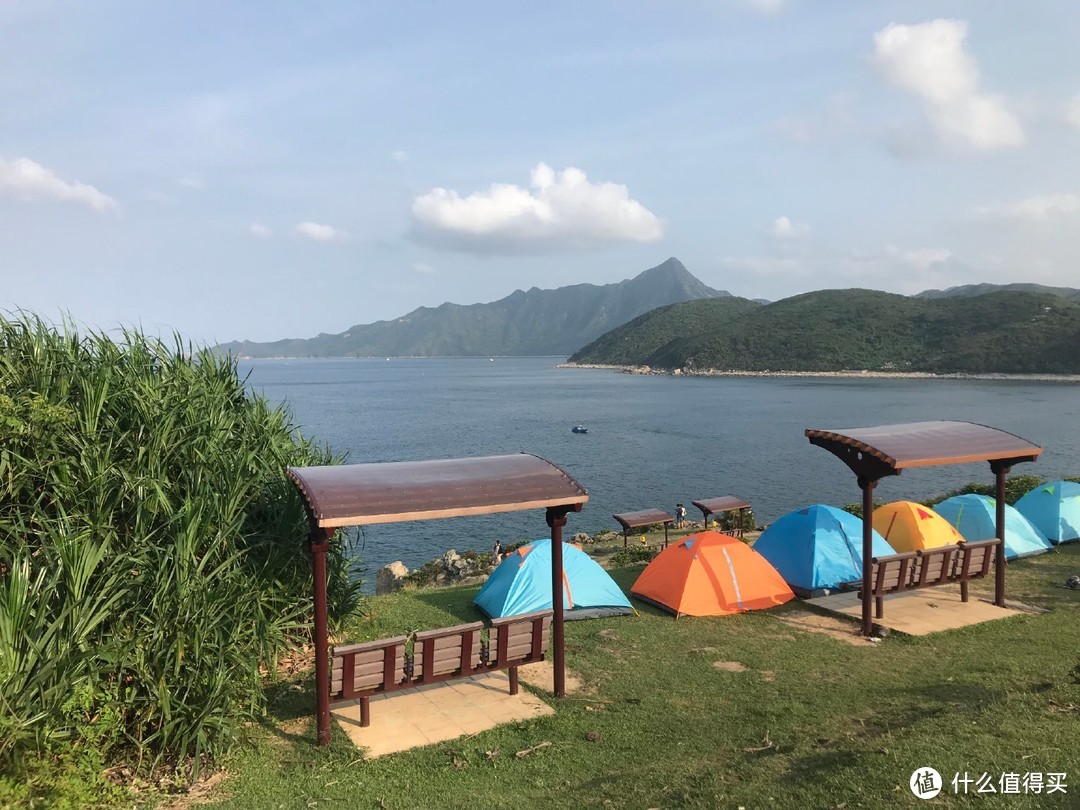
<point x="1072" y="111"/>
<point x="559" y="211"/>
<point x="320" y="233"/>
<point x="1035" y="209"/>
<point x="929" y="61"/>
<point x="785" y="228"/>
<point x="260" y="231"/>
<point x="24" y="179"/>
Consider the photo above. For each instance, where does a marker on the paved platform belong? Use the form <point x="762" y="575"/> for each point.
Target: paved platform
<point x="437" y="713"/>
<point x="921" y="612"/>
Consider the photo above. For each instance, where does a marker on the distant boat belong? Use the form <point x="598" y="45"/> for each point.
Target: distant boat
<point x="579" y="429"/>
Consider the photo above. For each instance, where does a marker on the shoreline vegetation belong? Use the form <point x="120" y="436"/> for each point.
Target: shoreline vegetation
<point x="842" y="374"/>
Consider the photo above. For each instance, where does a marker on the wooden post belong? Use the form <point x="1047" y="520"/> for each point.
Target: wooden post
<point x="556" y="519"/>
<point x="1000" y="472"/>
<point x="867" y="486"/>
<point x="320" y="542"/>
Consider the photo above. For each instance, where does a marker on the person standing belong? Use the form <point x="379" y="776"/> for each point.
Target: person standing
<point x="680" y="516"/>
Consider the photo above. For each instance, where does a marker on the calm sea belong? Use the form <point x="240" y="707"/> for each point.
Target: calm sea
<point x="652" y="440"/>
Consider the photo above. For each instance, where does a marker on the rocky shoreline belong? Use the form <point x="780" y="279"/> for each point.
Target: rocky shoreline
<point x="843" y="374"/>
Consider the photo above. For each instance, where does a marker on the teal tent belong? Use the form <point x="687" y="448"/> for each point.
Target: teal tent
<point x="817" y="549"/>
<point x="522" y="584"/>
<point x="975" y="517"/>
<point x="1054" y="508"/>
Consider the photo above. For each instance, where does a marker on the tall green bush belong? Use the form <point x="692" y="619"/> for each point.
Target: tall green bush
<point x="152" y="554"/>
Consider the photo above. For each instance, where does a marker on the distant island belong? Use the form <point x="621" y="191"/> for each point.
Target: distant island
<point x="994" y="332"/>
<point x="529" y="323"/>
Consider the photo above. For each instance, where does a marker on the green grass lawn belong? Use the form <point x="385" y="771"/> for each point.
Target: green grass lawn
<point x="812" y="722"/>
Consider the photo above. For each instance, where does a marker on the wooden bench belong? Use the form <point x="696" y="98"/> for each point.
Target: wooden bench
<point x="361" y="670"/>
<point x="929" y="567"/>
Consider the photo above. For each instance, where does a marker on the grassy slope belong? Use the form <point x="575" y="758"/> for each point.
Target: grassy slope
<point x="848" y="724"/>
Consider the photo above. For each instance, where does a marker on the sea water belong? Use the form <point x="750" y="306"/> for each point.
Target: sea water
<point x="652" y="441"/>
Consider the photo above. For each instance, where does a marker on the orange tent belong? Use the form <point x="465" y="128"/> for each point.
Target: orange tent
<point x="910" y="526"/>
<point x="711" y="574"/>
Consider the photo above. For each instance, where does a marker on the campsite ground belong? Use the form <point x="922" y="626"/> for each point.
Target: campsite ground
<point x="720" y="712"/>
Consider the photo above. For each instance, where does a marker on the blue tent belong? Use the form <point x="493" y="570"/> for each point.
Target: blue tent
<point x="817" y="548"/>
<point x="522" y="583"/>
<point x="1054" y="508"/>
<point x="974" y="516"/>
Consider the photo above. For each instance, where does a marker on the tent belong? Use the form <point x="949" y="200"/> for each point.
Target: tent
<point x="710" y="574"/>
<point x="522" y="584"/>
<point x="817" y="548"/>
<point x="908" y="526"/>
<point x="1054" y="508"/>
<point x="975" y="517"/>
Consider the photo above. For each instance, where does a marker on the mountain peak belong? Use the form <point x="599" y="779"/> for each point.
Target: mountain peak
<point x="671" y="279"/>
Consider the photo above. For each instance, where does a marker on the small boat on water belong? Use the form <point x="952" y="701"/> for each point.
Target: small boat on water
<point x="579" y="429"/>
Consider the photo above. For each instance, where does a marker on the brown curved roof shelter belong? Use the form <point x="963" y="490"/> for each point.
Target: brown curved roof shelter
<point x="367" y="494"/>
<point x="875" y="452"/>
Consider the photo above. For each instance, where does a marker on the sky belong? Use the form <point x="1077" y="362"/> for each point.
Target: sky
<point x="263" y="170"/>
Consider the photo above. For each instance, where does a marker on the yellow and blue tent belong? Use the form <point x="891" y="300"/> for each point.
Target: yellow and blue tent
<point x="908" y="526"/>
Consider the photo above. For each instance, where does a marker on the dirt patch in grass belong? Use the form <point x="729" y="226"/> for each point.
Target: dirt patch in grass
<point x="542" y="674"/>
<point x="840" y="629"/>
<point x="202" y="792"/>
<point x="729" y="666"/>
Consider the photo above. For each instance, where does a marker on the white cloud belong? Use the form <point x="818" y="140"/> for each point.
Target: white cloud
<point x="423" y="269"/>
<point x="785" y="228"/>
<point x="399" y="156"/>
<point x="560" y="211"/>
<point x="192" y="182"/>
<point x="260" y="231"/>
<point x="27" y="180"/>
<point x="1035" y="209"/>
<point x="320" y="233"/>
<point x="1072" y="111"/>
<point x="929" y="61"/>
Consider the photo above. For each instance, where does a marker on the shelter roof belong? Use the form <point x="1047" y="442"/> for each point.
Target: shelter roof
<point x="389" y="492"/>
<point x="925" y="444"/>
<point x="646" y="517"/>
<point x="725" y="503"/>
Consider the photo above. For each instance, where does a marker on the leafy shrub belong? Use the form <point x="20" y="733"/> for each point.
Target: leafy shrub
<point x="632" y="555"/>
<point x="152" y="553"/>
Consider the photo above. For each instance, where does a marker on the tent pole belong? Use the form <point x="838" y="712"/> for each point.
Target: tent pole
<point x="999" y="558"/>
<point x="320" y="542"/>
<point x="867" y="486"/>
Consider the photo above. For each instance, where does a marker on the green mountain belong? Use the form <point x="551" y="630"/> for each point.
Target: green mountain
<point x="832" y="330"/>
<point x="649" y="333"/>
<point x="972" y="290"/>
<point x="536" y="322"/>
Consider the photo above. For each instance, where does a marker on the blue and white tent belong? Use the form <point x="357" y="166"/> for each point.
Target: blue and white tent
<point x="975" y="517"/>
<point x="817" y="548"/>
<point x="522" y="584"/>
<point x="1054" y="509"/>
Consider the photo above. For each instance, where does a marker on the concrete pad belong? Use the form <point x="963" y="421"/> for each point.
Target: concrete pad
<point x="438" y="712"/>
<point x="921" y="612"/>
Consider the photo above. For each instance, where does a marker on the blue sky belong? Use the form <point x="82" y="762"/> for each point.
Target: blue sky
<point x="267" y="170"/>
